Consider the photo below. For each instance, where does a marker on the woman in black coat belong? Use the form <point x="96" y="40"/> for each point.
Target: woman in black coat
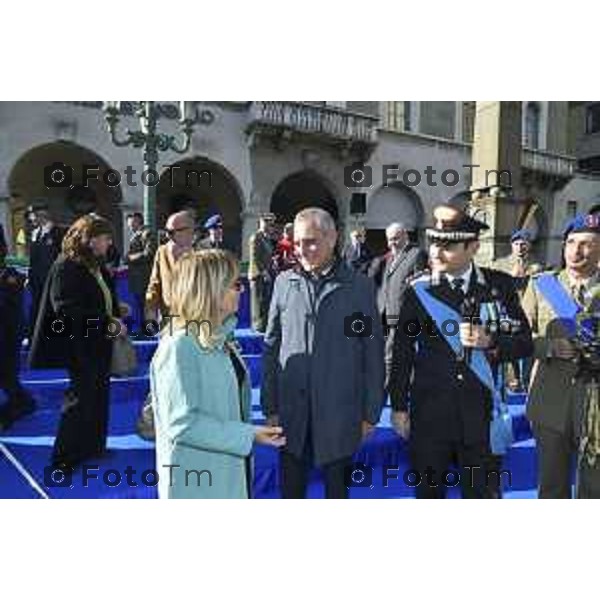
<point x="75" y="330"/>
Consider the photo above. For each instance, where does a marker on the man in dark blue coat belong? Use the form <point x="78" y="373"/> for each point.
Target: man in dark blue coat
<point x="323" y="368"/>
<point x="45" y="246"/>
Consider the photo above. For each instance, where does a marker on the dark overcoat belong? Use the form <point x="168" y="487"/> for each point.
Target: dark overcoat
<point x="314" y="376"/>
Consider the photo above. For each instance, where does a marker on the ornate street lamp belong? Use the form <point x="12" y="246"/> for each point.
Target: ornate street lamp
<point x="151" y="141"/>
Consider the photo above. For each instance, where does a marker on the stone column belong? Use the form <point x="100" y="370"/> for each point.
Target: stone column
<point x="496" y="173"/>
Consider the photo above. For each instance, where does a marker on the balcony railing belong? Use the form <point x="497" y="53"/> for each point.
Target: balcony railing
<point x="548" y="163"/>
<point x="316" y="120"/>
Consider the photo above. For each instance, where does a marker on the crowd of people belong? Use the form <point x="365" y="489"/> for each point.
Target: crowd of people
<point x="343" y="330"/>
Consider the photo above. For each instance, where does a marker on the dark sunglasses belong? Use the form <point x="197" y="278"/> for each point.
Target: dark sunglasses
<point x="172" y="232"/>
<point x="446" y="244"/>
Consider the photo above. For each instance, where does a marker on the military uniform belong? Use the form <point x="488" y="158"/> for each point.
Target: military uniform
<point x="450" y="406"/>
<point x="261" y="277"/>
<point x="44" y="250"/>
<point x="556" y="396"/>
<point x="142" y="243"/>
<point x="510" y="265"/>
<point x="518" y="372"/>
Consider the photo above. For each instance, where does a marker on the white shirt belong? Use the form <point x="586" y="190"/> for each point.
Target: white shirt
<point x="466" y="277"/>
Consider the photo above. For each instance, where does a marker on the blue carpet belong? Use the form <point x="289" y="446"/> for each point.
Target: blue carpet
<point x="31" y="439"/>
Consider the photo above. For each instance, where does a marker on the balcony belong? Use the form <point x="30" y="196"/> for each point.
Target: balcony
<point x="283" y="121"/>
<point x="547" y="166"/>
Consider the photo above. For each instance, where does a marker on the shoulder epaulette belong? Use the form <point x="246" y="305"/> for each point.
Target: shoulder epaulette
<point x="419" y="276"/>
<point x="547" y="271"/>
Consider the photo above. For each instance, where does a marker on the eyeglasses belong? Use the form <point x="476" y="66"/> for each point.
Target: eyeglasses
<point x="172" y="232"/>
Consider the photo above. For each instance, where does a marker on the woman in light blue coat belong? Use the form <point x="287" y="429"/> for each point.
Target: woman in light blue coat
<point x="200" y="387"/>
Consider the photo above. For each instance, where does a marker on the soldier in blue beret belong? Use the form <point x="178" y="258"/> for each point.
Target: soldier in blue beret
<point x="214" y="240"/>
<point x="563" y="398"/>
<point x="520" y="265"/>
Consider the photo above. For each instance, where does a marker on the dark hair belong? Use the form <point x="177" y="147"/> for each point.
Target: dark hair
<point x="76" y="243"/>
<point x="136" y="215"/>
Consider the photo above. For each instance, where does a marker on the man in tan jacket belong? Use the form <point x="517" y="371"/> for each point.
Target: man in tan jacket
<point x="557" y="393"/>
<point x="180" y="230"/>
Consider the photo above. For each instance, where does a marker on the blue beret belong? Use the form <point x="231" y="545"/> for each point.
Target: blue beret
<point x="521" y="234"/>
<point x="213" y="222"/>
<point x="583" y="224"/>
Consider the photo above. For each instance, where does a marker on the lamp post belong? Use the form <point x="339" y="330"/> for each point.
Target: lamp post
<point x="152" y="142"/>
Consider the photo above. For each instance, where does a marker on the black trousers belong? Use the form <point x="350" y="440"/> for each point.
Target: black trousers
<point x="138" y="310"/>
<point x="556" y="454"/>
<point x="83" y="426"/>
<point x="260" y="299"/>
<point x="431" y="460"/>
<point x="295" y="472"/>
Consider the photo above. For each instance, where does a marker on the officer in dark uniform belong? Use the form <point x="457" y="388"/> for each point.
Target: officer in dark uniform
<point x="441" y="380"/>
<point x="45" y="247"/>
<point x="19" y="403"/>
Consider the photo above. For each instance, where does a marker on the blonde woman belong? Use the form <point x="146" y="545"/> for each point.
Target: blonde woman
<point x="200" y="387"/>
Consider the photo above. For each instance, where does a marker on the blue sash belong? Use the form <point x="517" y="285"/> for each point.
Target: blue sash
<point x="441" y="312"/>
<point x="562" y="304"/>
<point x="501" y="430"/>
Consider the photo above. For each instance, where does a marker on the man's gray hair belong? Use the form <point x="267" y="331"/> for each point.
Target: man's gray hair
<point x="319" y="216"/>
<point x="393" y="228"/>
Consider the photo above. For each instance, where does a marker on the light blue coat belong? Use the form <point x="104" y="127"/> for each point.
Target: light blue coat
<point x="198" y="422"/>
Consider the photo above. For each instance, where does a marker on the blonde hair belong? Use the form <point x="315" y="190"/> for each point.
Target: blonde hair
<point x="201" y="279"/>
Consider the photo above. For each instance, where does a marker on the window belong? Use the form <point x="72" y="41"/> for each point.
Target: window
<point x="531" y="139"/>
<point x="571" y="209"/>
<point x="438" y="119"/>
<point x="468" y="115"/>
<point x="407" y="116"/>
<point x="592" y="118"/>
<point x="398" y="116"/>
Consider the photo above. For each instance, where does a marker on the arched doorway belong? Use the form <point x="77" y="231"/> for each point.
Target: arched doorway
<point x="394" y="203"/>
<point x="206" y="188"/>
<point x="299" y="191"/>
<point x="70" y="197"/>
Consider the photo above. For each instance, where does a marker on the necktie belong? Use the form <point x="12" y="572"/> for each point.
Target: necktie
<point x="457" y="287"/>
<point x="579" y="294"/>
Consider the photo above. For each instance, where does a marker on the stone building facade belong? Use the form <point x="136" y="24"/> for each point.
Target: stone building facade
<point x="250" y="157"/>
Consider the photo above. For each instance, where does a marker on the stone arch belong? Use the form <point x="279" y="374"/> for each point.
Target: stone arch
<point x="67" y="198"/>
<point x="385" y="205"/>
<point x="302" y="190"/>
<point x="206" y="187"/>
